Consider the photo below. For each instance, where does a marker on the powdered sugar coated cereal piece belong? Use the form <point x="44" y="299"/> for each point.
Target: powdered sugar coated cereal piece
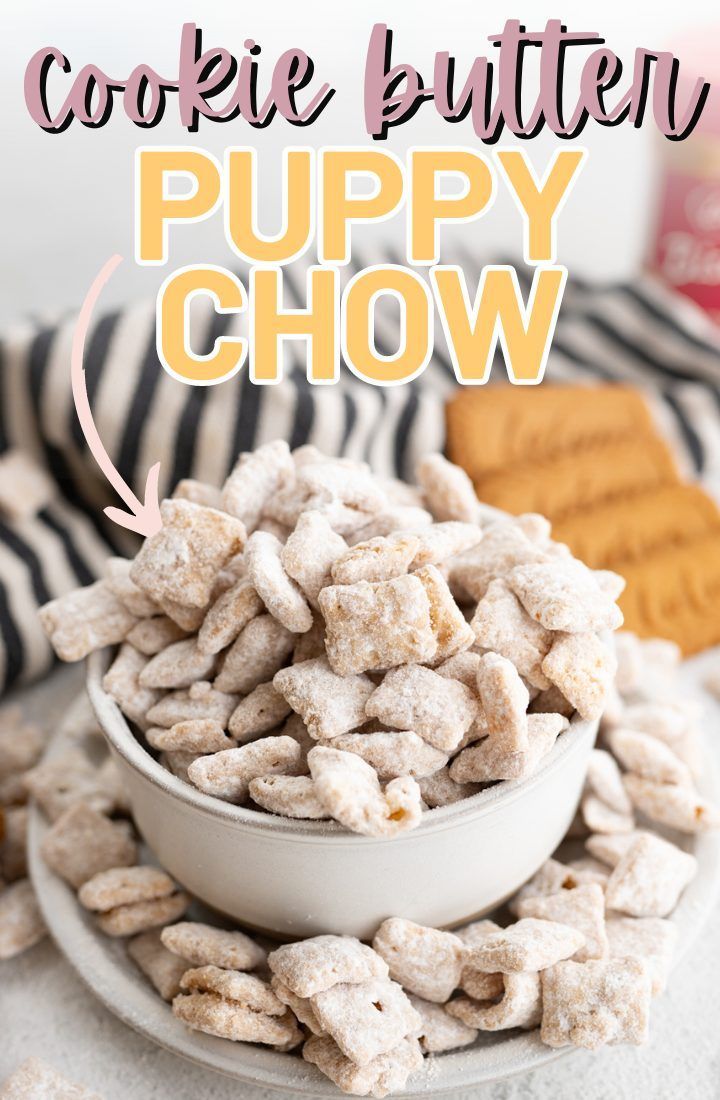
<point x="394" y="752"/>
<point x="601" y="818"/>
<point x="309" y="553"/>
<point x="178" y="565"/>
<point x="311" y="966"/>
<point x="649" y="878"/>
<point x="201" y="701"/>
<point x="35" y="1080"/>
<point x="256" y="655"/>
<point x="583" y="666"/>
<point x="227" y="774"/>
<point x="21" y="742"/>
<point x="564" y="595"/>
<point x="609" y="848"/>
<point x="378" y="559"/>
<point x="83" y="842"/>
<point x="646" y="756"/>
<point x="366" y="1019"/>
<point x="391" y="519"/>
<point x="415" y="698"/>
<point x="552" y="701"/>
<point x="519" y="1005"/>
<point x="204" y="945"/>
<point x="150" y="636"/>
<point x="280" y="594"/>
<point x="67" y="780"/>
<point x="178" y="666"/>
<point x="582" y="908"/>
<point x="376" y="626"/>
<point x="214" y="1015"/>
<point x="260" y="711"/>
<point x="198" y="492"/>
<point x="158" y="964"/>
<point x="505" y="700"/>
<point x="234" y="985"/>
<point x="423" y="960"/>
<point x="463" y="667"/>
<point x="440" y="790"/>
<point x="605" y="779"/>
<point x="501" y="624"/>
<point x="124" y="886"/>
<point x="301" y="1007"/>
<point x="551" y="878"/>
<point x="590" y="1004"/>
<point x="256" y="476"/>
<point x="438" y="1030"/>
<point x="529" y="945"/>
<point x="488" y="761"/>
<point x="21" y="923"/>
<point x="288" y="795"/>
<point x="141" y="916"/>
<point x="384" y="1075"/>
<point x="350" y="791"/>
<point x="441" y="541"/>
<point x="231" y="612"/>
<point x="447" y="489"/>
<point x="85" y="620"/>
<point x="328" y="704"/>
<point x="452" y="632"/>
<point x="504" y="545"/>
<point x="117" y="575"/>
<point x="629" y="661"/>
<point x="681" y="808"/>
<point x="649" y="938"/>
<point x="122" y="683"/>
<point x="199" y="735"/>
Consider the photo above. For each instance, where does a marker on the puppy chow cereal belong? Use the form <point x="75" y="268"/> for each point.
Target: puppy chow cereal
<point x="501" y="624"/>
<point x="366" y="1019"/>
<point x="438" y="709"/>
<point x="328" y="704"/>
<point x="439" y="1031"/>
<point x="163" y="969"/>
<point x="203" y="945"/>
<point x="383" y="1075"/>
<point x="351" y="793"/>
<point x="594" y="1003"/>
<point x="261" y="649"/>
<point x="424" y="961"/>
<point x="519" y="1005"/>
<point x="582" y="907"/>
<point x="83" y="842"/>
<point x="227" y="774"/>
<point x="649" y="878"/>
<point x="314" y="965"/>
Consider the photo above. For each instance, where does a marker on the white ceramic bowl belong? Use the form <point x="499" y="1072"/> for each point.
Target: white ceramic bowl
<point x="299" y="878"/>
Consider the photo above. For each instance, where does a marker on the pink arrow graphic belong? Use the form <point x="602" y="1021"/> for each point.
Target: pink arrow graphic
<point x="143" y="517"/>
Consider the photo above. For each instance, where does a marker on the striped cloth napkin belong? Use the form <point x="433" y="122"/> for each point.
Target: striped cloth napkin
<point x="635" y="333"/>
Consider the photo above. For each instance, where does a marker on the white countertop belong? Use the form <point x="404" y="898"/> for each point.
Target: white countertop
<point x="46" y="1012"/>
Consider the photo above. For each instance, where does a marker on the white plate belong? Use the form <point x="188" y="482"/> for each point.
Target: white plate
<point x="104" y="966"/>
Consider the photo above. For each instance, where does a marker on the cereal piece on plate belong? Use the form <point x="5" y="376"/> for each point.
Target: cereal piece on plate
<point x="667" y="719"/>
<point x="151" y="636"/>
<point x="384" y="1075"/>
<point x="519" y="1005"/>
<point x="21" y="924"/>
<point x="378" y="559"/>
<point x="117" y="575"/>
<point x="67" y="780"/>
<point x="441" y="541"/>
<point x="124" y="886"/>
<point x="476" y="983"/>
<point x="160" y="966"/>
<point x="255" y="477"/>
<point x="215" y="1015"/>
<point x="204" y="945"/>
<point x="463" y="667"/>
<point x="415" y="698"/>
<point x="199" y="702"/>
<point x="327" y="703"/>
<point x="681" y="808"/>
<point x="649" y="878"/>
<point x="593" y="1003"/>
<point x="229" y="615"/>
<point x="447" y="489"/>
<point x="198" y="735"/>
<point x="141" y="916"/>
<point x="21" y="742"/>
<point x="234" y="985"/>
<point x="280" y="594"/>
<point x="601" y="818"/>
<point x="440" y="790"/>
<point x="646" y="756"/>
<point x="122" y="683"/>
<point x="366" y="1019"/>
<point x="487" y="761"/>
<point x="178" y="666"/>
<point x="198" y="492"/>
<point x="501" y="624"/>
<point x="605" y="780"/>
<point x="552" y="877"/>
<point x="83" y="842"/>
<point x="394" y="752"/>
<point x="262" y="648"/>
<point x="288" y="795"/>
<point x="299" y="1005"/>
<point x="13" y="842"/>
<point x="452" y="632"/>
<point x="376" y="626"/>
<point x="178" y="564"/>
<point x="582" y="908"/>
<point x="505" y="700"/>
<point x="583" y="667"/>
<point x="609" y="848"/>
<point x="35" y="1080"/>
<point x="564" y="595"/>
<point x="528" y="945"/>
<point x="227" y="774"/>
<point x="350" y="791"/>
<point x="309" y="553"/>
<point x="440" y="1031"/>
<point x="311" y="966"/>
<point x="504" y="545"/>
<point x="84" y="620"/>
<point x="423" y="960"/>
<point x="649" y="938"/>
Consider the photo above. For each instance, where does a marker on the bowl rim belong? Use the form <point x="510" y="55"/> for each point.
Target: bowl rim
<point x="115" y="728"/>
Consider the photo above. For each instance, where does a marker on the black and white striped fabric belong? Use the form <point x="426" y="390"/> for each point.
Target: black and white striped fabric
<point x="636" y="333"/>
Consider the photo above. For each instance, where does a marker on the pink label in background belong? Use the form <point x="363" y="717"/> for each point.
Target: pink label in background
<point x="687" y="244"/>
